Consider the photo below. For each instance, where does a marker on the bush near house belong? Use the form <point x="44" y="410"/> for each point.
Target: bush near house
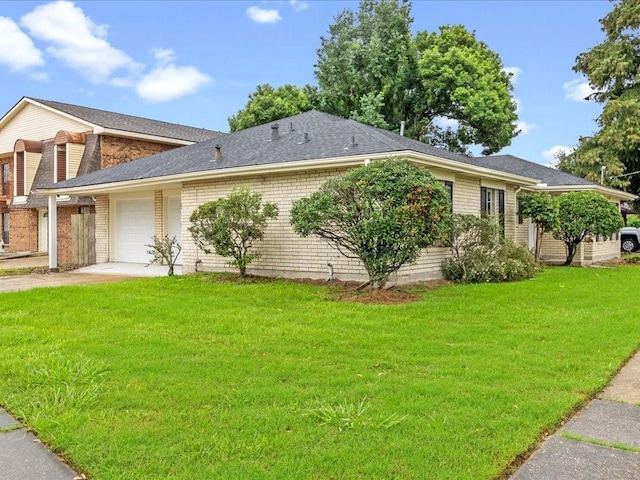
<point x="230" y="226"/>
<point x="383" y="214"/>
<point x="480" y="254"/>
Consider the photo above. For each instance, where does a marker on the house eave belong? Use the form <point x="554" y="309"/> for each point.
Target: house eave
<point x="303" y="165"/>
<point x="607" y="191"/>
<point x="141" y="136"/>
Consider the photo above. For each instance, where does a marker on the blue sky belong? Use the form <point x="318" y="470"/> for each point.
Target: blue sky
<point x="195" y="63"/>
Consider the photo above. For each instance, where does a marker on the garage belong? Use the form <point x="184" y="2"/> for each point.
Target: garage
<point x="133" y="229"/>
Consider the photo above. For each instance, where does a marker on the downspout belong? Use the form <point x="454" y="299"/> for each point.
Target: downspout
<point x="52" y="214"/>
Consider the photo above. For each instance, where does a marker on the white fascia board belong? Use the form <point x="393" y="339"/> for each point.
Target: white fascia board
<point x="142" y="136"/>
<point x="608" y="191"/>
<point x="303" y="165"/>
<point x="467" y="169"/>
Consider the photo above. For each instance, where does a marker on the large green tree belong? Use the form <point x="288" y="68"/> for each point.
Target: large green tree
<point x="462" y="79"/>
<point x="382" y="214"/>
<point x="582" y="214"/>
<point x="370" y="68"/>
<point x="268" y="104"/>
<point x="367" y="65"/>
<point x="613" y="70"/>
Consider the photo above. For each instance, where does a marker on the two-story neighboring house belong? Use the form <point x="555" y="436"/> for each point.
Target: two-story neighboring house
<point x="43" y="142"/>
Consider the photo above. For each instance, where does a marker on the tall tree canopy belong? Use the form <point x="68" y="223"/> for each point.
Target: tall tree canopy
<point x="462" y="79"/>
<point x="267" y="104"/>
<point x="372" y="69"/>
<point x="612" y="68"/>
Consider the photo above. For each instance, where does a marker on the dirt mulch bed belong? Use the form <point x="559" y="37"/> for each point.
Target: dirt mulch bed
<point x="342" y="291"/>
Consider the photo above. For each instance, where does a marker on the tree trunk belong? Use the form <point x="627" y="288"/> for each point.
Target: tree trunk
<point x="538" y="251"/>
<point x="571" y="252"/>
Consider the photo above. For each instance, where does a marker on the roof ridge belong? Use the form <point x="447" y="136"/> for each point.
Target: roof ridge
<point x="48" y="102"/>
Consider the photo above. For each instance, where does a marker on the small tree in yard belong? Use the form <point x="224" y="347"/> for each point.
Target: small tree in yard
<point x="381" y="214"/>
<point x="582" y="214"/>
<point x="230" y="226"/>
<point x="542" y="209"/>
<point x="164" y="250"/>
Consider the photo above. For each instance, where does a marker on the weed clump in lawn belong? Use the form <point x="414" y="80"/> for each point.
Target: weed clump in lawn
<point x="352" y="415"/>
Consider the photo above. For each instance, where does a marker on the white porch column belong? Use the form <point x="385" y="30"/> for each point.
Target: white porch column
<point x="53" y="232"/>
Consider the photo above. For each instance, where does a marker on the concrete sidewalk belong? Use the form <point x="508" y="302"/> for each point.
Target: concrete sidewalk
<point x="601" y="442"/>
<point x="23" y="457"/>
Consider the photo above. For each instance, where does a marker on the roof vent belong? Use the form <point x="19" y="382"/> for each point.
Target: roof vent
<point x="291" y="129"/>
<point x="353" y="143"/>
<point x="274" y="132"/>
<point x="218" y="153"/>
<point x="305" y="139"/>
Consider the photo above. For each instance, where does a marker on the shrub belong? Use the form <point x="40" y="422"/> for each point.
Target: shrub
<point x="383" y="214"/>
<point x="229" y="226"/>
<point x="480" y="254"/>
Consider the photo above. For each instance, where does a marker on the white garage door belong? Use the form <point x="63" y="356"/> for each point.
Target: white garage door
<point x="133" y="229"/>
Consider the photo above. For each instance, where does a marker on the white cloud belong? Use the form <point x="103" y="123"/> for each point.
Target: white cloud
<point x="515" y="73"/>
<point x="77" y="41"/>
<point x="298" y="5"/>
<point x="525" y="127"/>
<point x="552" y="153"/>
<point x="263" y="15"/>
<point x="17" y="50"/>
<point x="577" y="90"/>
<point x="169" y="82"/>
<point x="164" y="56"/>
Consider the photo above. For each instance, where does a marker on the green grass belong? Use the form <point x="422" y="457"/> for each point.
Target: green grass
<point x="190" y="378"/>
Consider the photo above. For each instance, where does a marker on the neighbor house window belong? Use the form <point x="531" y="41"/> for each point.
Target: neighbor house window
<point x="20" y="167"/>
<point x="5" y="228"/>
<point x="5" y="179"/>
<point x="492" y="204"/>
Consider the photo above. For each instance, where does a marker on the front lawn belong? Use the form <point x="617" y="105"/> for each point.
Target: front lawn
<point x="192" y="378"/>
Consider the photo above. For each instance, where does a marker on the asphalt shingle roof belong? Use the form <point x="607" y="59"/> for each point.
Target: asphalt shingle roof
<point x="328" y="137"/>
<point x="129" y="123"/>
<point x="520" y="166"/>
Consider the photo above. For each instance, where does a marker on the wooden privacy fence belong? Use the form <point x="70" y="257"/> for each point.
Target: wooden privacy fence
<point x="83" y="239"/>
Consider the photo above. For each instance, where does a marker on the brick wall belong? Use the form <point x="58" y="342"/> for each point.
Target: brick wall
<point x="102" y="228"/>
<point x="115" y="150"/>
<point x="286" y="254"/>
<point x="23" y="234"/>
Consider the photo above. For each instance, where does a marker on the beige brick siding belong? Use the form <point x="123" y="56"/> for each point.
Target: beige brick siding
<point x="286" y="254"/>
<point x="158" y="210"/>
<point x="466" y="195"/>
<point x="102" y="229"/>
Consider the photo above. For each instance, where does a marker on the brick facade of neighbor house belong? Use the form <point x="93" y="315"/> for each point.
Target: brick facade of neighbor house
<point x="115" y="150"/>
<point x="24" y="230"/>
<point x="68" y="147"/>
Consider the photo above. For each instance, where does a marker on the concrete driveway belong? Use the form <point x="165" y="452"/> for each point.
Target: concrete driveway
<point x="101" y="273"/>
